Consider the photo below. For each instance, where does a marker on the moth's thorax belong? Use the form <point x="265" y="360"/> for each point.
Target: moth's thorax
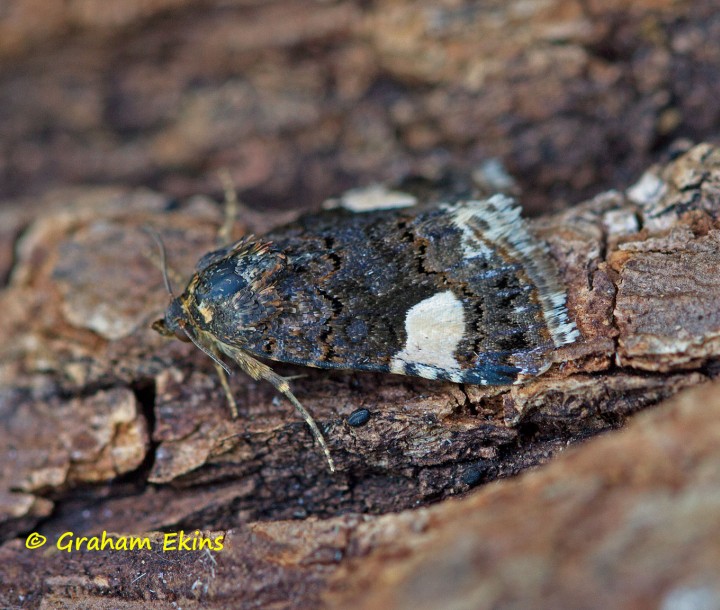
<point x="234" y="292"/>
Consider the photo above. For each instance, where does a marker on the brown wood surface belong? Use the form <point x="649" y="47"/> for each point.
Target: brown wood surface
<point x="108" y="427"/>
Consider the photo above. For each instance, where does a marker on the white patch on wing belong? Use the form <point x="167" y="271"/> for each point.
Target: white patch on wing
<point x="434" y="329"/>
<point x="397" y="366"/>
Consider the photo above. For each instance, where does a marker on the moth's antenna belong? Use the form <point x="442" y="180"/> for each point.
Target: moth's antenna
<point x="163" y="258"/>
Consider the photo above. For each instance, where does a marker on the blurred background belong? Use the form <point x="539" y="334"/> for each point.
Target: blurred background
<point x="302" y="99"/>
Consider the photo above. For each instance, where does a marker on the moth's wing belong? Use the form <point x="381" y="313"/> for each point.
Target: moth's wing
<point x="496" y="224"/>
<point x="443" y="293"/>
<point x="221" y="253"/>
<point x="511" y="283"/>
<point x="211" y="257"/>
<point x="348" y="282"/>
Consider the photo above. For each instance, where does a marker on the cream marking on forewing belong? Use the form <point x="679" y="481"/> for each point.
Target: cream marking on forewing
<point x="434" y="329"/>
<point x="456" y="377"/>
<point x="500" y="222"/>
<point x="428" y="372"/>
<point x="461" y="217"/>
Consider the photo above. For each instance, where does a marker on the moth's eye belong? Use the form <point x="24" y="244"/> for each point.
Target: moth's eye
<point x="220" y="282"/>
<point x="180" y="334"/>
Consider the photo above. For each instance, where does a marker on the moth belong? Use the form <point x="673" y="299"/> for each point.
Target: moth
<point x="461" y="291"/>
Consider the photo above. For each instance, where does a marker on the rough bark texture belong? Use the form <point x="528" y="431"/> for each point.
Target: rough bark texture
<point x="107" y="426"/>
<point x="305" y="99"/>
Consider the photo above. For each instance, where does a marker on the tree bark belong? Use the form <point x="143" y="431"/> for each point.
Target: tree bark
<point x="109" y="427"/>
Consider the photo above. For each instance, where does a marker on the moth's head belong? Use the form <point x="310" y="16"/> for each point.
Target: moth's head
<point x="175" y="320"/>
<point x="174" y="323"/>
<point x="180" y="322"/>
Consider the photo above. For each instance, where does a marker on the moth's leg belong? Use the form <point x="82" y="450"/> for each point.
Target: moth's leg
<point x="226" y="388"/>
<point x="282" y="386"/>
<point x="292" y="377"/>
<point x="224" y="235"/>
<point x="258" y="370"/>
